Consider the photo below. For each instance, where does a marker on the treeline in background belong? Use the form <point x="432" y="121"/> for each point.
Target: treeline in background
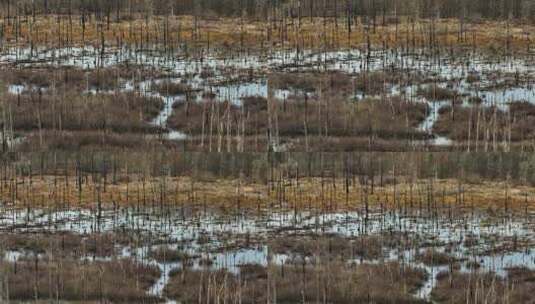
<point x="377" y="10"/>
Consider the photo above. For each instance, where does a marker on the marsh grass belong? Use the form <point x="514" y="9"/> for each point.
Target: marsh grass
<point x="330" y="247"/>
<point x="120" y="112"/>
<point x="436" y="93"/>
<point x="118" y="281"/>
<point x="488" y="124"/>
<point x="226" y="32"/>
<point x="388" y="119"/>
<point x="330" y="282"/>
<point x="434" y="258"/>
<point x="65" y="244"/>
<point x="170" y="88"/>
<point x="477" y="287"/>
<point x="167" y="255"/>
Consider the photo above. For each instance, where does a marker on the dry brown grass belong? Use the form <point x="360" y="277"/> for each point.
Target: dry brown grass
<point x="120" y="112"/>
<point x="119" y="281"/>
<point x="87" y="141"/>
<point x="436" y="93"/>
<point x="136" y="190"/>
<point x="329" y="247"/>
<point x="483" y="123"/>
<point x="378" y="82"/>
<point x="64" y="244"/>
<point x="478" y="288"/>
<point x="490" y="35"/>
<point x="435" y="258"/>
<point x="76" y="79"/>
<point x="468" y="288"/>
<point x="331" y="283"/>
<point x="167" y="255"/>
<point x="327" y="193"/>
<point x="169" y="88"/>
<point x="332" y="116"/>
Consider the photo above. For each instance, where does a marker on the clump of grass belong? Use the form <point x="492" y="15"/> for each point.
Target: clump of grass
<point x="64" y="244"/>
<point x="373" y="83"/>
<point x="253" y="271"/>
<point x="522" y="107"/>
<point x="339" y="82"/>
<point x="475" y="100"/>
<point x="473" y="265"/>
<point x="103" y="79"/>
<point x="329" y="246"/>
<point x="294" y="81"/>
<point x="168" y="255"/>
<point x="470" y="241"/>
<point x="120" y="281"/>
<point x="435" y="258"/>
<point x="521" y="284"/>
<point x="39" y="78"/>
<point x="254" y="103"/>
<point x="436" y="93"/>
<point x="206" y="73"/>
<point x="379" y="82"/>
<point x="459" y="122"/>
<point x="521" y="274"/>
<point x="465" y="288"/>
<point x="69" y="78"/>
<point x="334" y="283"/>
<point x="206" y="262"/>
<point x="392" y="118"/>
<point x="76" y="140"/>
<point x="473" y="78"/>
<point x="475" y="287"/>
<point x="170" y="88"/>
<point x="309" y="82"/>
<point x="121" y="112"/>
<point x="188" y="286"/>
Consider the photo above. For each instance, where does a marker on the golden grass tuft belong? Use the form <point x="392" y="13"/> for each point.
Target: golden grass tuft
<point x="313" y="33"/>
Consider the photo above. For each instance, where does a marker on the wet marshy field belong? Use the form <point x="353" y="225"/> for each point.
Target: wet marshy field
<point x="291" y="228"/>
<point x="179" y="253"/>
<point x="179" y="171"/>
<point x="388" y="100"/>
